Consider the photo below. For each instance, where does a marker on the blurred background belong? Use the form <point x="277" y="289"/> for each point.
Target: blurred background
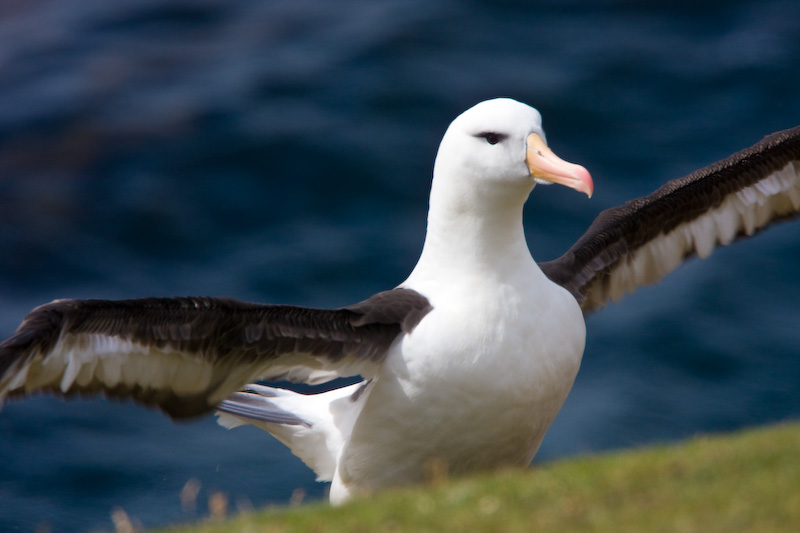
<point x="281" y="151"/>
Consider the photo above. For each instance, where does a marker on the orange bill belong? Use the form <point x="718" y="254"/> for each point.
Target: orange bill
<point x="546" y="165"/>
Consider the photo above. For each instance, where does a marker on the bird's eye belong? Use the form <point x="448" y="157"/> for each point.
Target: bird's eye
<point x="492" y="137"/>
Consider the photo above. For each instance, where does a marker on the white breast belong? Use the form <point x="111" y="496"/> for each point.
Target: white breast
<point x="474" y="386"/>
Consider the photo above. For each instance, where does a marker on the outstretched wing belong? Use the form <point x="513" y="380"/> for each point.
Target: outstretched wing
<point x="643" y="240"/>
<point x="185" y="355"/>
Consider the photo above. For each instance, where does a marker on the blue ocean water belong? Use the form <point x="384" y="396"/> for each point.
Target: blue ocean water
<point x="281" y="151"/>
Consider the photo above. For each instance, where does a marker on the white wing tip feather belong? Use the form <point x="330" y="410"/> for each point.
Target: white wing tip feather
<point x="746" y="211"/>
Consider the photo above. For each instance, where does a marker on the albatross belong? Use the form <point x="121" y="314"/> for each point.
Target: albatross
<point x="464" y="365"/>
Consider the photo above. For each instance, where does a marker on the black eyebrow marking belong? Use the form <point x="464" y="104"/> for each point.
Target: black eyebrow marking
<point x="492" y="137"/>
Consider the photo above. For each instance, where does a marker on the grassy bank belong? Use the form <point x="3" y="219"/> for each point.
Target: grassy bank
<point x="748" y="481"/>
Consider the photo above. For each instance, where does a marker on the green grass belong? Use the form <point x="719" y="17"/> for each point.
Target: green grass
<point x="747" y="481"/>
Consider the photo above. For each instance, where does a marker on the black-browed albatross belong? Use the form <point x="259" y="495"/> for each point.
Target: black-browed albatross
<point x="478" y="336"/>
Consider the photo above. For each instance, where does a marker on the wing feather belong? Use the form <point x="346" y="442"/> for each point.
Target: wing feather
<point x="643" y="240"/>
<point x="185" y="355"/>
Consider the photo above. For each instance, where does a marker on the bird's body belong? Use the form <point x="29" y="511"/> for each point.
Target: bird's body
<point x="494" y="378"/>
<point x="480" y="397"/>
<point x="465" y="364"/>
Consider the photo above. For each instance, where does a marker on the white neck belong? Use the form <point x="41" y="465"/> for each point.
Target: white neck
<point x="474" y="232"/>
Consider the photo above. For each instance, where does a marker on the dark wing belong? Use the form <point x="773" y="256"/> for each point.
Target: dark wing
<point x="185" y="355"/>
<point x="640" y="242"/>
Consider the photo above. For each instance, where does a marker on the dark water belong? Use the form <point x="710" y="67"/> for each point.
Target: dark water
<point x="281" y="151"/>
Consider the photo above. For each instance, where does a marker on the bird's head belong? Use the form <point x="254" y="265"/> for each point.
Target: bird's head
<point x="498" y="147"/>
